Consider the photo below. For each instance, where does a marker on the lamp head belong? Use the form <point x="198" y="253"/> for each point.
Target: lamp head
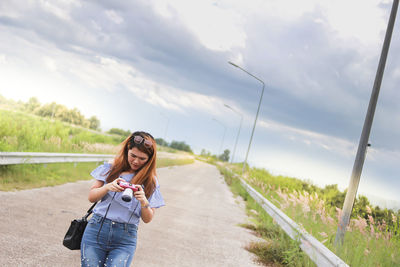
<point x="233" y="64"/>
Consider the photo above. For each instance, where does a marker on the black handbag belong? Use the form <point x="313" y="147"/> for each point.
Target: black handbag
<point x="73" y="237"/>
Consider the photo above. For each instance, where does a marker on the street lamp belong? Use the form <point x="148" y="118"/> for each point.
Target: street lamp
<point x="240" y="126"/>
<point x="223" y="136"/>
<point x="258" y="109"/>
<point x="363" y="143"/>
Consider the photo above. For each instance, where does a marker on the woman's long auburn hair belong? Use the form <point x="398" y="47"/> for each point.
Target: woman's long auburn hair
<point x="147" y="173"/>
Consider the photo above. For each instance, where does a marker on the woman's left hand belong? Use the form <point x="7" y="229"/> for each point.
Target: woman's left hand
<point x="140" y="196"/>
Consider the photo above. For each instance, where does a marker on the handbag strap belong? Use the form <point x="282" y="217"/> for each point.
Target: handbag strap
<point x="90" y="210"/>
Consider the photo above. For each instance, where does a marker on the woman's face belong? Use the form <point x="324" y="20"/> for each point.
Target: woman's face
<point x="136" y="158"/>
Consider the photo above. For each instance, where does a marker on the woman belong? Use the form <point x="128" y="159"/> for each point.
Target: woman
<point x="110" y="236"/>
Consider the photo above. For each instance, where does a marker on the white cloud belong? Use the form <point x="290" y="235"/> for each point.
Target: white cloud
<point x="287" y="163"/>
<point x="217" y="28"/>
<point x="284" y="9"/>
<point x="349" y="20"/>
<point x="330" y="143"/>
<point x="387" y="157"/>
<point x="358" y="19"/>
<point x="111" y="73"/>
<point x="114" y="16"/>
<point x="60" y="8"/>
<point x="3" y="59"/>
<point x="50" y="63"/>
<point x="95" y="72"/>
<point x="396" y="73"/>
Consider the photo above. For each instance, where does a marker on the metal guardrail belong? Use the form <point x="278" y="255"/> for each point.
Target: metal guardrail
<point x="318" y="253"/>
<point x="10" y="158"/>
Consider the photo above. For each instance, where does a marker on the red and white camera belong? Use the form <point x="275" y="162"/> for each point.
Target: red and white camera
<point x="129" y="188"/>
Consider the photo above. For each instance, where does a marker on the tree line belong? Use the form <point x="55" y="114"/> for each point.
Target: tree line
<point x="223" y="157"/>
<point x="179" y="145"/>
<point x="53" y="111"/>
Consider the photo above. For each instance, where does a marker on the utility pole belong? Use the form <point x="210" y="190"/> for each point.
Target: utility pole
<point x="362" y="147"/>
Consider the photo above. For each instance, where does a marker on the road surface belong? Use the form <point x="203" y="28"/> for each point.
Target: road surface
<point x="197" y="227"/>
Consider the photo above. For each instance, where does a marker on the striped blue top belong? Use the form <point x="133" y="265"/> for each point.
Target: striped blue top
<point x="122" y="211"/>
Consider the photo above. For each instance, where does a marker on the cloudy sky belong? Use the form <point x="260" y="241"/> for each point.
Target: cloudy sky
<point x="162" y="66"/>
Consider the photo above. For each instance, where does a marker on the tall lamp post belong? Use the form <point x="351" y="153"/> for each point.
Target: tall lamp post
<point x="223" y="136"/>
<point x="258" y="109"/>
<point x="240" y="126"/>
<point x="363" y="143"/>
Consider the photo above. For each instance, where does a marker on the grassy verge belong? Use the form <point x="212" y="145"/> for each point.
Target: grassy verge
<point x="166" y="149"/>
<point x="25" y="133"/>
<point x="372" y="238"/>
<point x="278" y="248"/>
<point x="165" y="162"/>
<point x="27" y="176"/>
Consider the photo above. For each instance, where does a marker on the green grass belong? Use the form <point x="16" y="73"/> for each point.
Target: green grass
<point x="367" y="242"/>
<point x="166" y="149"/>
<point x="23" y="132"/>
<point x="165" y="162"/>
<point x="27" y="176"/>
<point x="278" y="248"/>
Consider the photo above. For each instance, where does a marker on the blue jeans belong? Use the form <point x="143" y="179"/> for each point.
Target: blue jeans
<point x="115" y="245"/>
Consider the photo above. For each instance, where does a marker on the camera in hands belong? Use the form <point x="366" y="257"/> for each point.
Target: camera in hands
<point x="129" y="188"/>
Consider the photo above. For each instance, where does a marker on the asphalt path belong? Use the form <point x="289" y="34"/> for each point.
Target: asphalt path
<point x="197" y="227"/>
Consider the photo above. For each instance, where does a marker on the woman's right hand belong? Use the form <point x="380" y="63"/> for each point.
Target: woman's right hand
<point x="114" y="185"/>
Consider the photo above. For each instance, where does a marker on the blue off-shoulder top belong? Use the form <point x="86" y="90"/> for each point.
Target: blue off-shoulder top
<point x="120" y="210"/>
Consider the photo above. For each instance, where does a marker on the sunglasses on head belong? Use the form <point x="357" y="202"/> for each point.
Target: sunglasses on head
<point x="139" y="140"/>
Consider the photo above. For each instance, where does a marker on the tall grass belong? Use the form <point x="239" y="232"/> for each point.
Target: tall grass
<point x="367" y="242"/>
<point x="278" y="248"/>
<point x="23" y="132"/>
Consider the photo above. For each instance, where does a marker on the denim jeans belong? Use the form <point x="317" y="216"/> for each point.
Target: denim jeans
<point x="115" y="245"/>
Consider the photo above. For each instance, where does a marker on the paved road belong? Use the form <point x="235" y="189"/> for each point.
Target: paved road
<point x="198" y="227"/>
